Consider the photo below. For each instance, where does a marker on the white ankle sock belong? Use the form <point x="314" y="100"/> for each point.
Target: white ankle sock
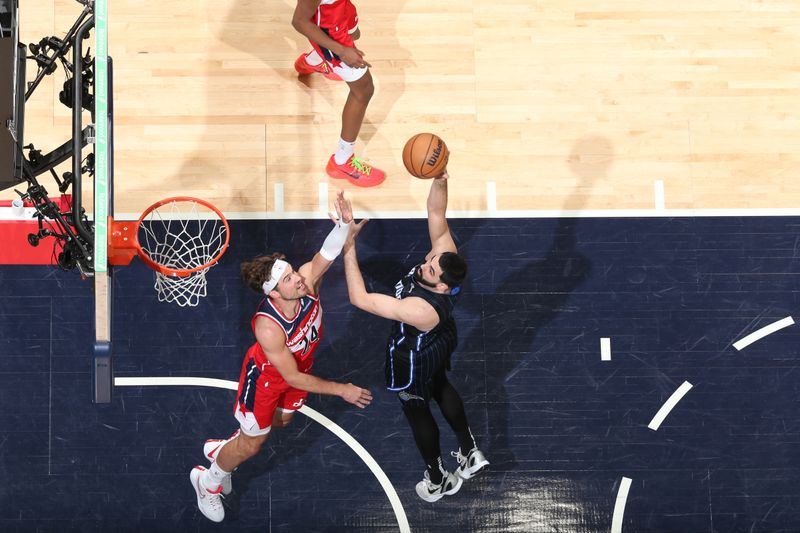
<point x="313" y="58"/>
<point x="344" y="151"/>
<point x="212" y="478"/>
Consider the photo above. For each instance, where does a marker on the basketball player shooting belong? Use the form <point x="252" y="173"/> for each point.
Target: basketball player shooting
<point x="276" y="372"/>
<point x="421" y="343"/>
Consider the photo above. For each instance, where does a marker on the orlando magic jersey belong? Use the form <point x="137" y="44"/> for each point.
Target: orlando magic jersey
<point x="413" y="355"/>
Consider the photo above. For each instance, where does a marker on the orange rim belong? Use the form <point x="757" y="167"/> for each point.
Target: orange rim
<point x="147" y="260"/>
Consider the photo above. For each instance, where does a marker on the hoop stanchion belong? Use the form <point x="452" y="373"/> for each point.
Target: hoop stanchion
<point x="180" y="238"/>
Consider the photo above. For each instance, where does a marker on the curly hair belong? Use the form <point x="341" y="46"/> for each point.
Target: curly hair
<point x="259" y="270"/>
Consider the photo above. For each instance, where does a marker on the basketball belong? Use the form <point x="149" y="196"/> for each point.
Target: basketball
<point x="425" y="155"/>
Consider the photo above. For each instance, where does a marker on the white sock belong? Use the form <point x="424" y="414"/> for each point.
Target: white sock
<point x="344" y="151"/>
<point x="213" y="477"/>
<point x="313" y="58"/>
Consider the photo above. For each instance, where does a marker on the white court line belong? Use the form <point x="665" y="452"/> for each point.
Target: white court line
<point x="513" y="213"/>
<point x="671" y="402"/>
<point x="659" y="194"/>
<point x="763" y="332"/>
<point x="278" y="198"/>
<point x="619" y="506"/>
<point x="605" y="349"/>
<point x="491" y="196"/>
<point x="323" y="197"/>
<point x="364" y="455"/>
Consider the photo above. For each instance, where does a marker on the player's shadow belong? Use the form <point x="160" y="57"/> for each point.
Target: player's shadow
<point x="531" y="294"/>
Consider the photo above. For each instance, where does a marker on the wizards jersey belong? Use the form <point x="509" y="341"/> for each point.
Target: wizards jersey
<point x="338" y="19"/>
<point x="303" y="332"/>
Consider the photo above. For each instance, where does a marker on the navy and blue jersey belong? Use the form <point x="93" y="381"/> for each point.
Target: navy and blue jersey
<point x="413" y="356"/>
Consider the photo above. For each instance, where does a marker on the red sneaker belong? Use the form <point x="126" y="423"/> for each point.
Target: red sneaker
<point x="356" y="172"/>
<point x="302" y="67"/>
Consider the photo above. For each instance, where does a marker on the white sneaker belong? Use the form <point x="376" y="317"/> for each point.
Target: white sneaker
<point x="431" y="492"/>
<point x="212" y="446"/>
<point x="211" y="450"/>
<point x="471" y="464"/>
<point x="209" y="503"/>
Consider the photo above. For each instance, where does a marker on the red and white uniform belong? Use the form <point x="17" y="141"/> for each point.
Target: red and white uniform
<point x="338" y="19"/>
<point x="262" y="389"/>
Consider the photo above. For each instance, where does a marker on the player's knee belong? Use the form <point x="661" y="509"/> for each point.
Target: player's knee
<point x="363" y="89"/>
<point x="250" y="447"/>
<point x="281" y="421"/>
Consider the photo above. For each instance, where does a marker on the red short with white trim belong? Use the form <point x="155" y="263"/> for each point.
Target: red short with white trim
<point x="257" y="420"/>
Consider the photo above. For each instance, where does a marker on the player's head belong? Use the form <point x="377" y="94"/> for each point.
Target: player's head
<point x="273" y="276"/>
<point x="442" y="272"/>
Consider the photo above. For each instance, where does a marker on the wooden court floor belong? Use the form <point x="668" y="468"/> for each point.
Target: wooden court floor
<point x="568" y="104"/>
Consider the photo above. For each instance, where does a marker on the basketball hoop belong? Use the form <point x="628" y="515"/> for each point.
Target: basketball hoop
<point x="180" y="238"/>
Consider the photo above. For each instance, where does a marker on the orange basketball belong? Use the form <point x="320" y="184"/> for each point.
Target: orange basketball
<point x="425" y="155"/>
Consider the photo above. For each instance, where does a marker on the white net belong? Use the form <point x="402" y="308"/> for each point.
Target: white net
<point x="182" y="234"/>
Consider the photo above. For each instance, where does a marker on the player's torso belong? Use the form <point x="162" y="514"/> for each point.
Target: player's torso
<point x="332" y="14"/>
<point x="303" y="331"/>
<point x="443" y="304"/>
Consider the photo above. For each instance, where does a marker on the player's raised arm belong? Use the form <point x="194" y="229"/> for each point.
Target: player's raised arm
<point x="332" y="247"/>
<point x="441" y="240"/>
<point x="414" y="311"/>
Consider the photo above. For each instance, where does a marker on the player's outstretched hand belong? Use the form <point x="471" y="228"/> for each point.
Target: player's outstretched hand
<point x="443" y="176"/>
<point x="344" y="211"/>
<point x="357" y="396"/>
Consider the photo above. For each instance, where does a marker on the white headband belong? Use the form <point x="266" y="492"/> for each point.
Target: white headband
<point x="278" y="268"/>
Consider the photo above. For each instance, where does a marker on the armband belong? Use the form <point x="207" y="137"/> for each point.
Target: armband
<point x="334" y="242"/>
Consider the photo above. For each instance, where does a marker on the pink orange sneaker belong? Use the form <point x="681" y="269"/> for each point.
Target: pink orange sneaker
<point x="302" y="67"/>
<point x="356" y="172"/>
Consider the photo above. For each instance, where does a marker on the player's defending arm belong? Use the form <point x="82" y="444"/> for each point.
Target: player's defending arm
<point x="301" y="21"/>
<point x="332" y="247"/>
<point x="273" y="343"/>
<point x="414" y="311"/>
<point x="441" y="240"/>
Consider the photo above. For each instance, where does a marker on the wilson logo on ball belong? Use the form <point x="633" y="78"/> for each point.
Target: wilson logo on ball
<point x="436" y="152"/>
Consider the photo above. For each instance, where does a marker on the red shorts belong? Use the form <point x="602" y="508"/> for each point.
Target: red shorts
<point x="258" y="421"/>
<point x="339" y="21"/>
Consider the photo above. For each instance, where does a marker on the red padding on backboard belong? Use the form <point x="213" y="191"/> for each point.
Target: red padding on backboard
<point x="14" y="246"/>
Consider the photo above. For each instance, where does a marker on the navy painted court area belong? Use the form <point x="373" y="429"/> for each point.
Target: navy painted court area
<point x="561" y="426"/>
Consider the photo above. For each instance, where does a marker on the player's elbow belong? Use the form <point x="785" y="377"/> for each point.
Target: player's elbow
<point x="357" y="299"/>
<point x="298" y="23"/>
